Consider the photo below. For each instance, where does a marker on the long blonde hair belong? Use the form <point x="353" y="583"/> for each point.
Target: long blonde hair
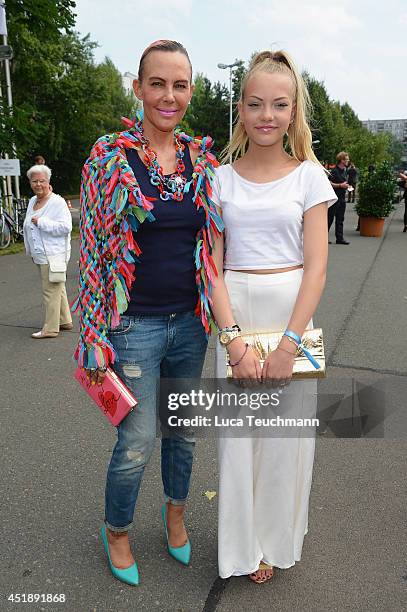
<point x="299" y="133"/>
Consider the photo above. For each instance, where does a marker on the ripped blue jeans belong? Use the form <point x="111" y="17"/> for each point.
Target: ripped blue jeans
<point x="150" y="347"/>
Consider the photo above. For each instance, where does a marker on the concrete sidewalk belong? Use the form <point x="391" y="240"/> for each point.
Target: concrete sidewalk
<point x="55" y="448"/>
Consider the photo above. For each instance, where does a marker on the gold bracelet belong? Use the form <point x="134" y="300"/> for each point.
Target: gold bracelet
<point x="292" y="341"/>
<point x="285" y="351"/>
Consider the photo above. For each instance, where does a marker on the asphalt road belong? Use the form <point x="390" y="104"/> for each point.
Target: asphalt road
<point x="55" y="447"/>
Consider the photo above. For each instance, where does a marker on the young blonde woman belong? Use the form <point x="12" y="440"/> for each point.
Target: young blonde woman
<point x="274" y="207"/>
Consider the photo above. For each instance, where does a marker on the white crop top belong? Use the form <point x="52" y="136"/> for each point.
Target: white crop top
<point x="264" y="221"/>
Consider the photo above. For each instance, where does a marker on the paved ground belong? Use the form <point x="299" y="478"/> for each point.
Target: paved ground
<point x="55" y="448"/>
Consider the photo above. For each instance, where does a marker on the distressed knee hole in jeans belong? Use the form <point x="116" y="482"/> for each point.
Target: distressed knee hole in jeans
<point x="132" y="370"/>
<point x="135" y="455"/>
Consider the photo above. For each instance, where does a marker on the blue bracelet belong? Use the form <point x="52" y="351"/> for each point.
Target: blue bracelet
<point x="298" y="341"/>
<point x="295" y="337"/>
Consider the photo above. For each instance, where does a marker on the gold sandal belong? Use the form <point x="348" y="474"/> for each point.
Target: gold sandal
<point x="255" y="577"/>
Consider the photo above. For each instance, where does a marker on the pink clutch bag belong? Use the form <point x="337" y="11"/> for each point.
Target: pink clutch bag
<point x="112" y="397"/>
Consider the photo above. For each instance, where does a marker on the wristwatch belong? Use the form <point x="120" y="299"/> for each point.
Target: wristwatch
<point x="227" y="334"/>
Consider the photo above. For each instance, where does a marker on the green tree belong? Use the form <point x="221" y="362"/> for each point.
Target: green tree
<point x="350" y="118"/>
<point x="89" y="101"/>
<point x="326" y="124"/>
<point x="208" y="112"/>
<point x="396" y="152"/>
<point x="62" y="100"/>
<point x="237" y="78"/>
<point x="368" y="148"/>
<point x="376" y="191"/>
<point x="338" y="128"/>
<point x="35" y="31"/>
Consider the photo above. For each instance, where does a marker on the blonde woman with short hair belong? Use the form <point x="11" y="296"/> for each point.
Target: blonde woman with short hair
<point x="274" y="206"/>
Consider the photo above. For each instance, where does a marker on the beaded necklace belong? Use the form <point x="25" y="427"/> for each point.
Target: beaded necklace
<point x="170" y="187"/>
<point x="113" y="207"/>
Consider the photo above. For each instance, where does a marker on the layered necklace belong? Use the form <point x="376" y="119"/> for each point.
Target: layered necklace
<point x="170" y="187"/>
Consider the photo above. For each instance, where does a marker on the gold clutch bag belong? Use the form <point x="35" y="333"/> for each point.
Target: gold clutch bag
<point x="264" y="343"/>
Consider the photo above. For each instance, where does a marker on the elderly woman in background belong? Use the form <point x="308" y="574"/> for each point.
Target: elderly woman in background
<point x="47" y="235"/>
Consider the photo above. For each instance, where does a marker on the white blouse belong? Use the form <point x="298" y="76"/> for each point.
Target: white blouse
<point x="52" y="232"/>
<point x="264" y="221"/>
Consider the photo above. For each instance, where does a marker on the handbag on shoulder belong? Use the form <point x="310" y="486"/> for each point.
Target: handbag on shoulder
<point x="57" y="268"/>
<point x="57" y="264"/>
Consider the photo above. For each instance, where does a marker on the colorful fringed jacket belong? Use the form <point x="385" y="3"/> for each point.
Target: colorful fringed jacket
<point x="112" y="208"/>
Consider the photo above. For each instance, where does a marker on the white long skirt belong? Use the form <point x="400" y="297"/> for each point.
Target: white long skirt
<point x="264" y="482"/>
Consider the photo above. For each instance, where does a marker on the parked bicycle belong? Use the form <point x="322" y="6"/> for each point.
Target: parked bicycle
<point x="11" y="225"/>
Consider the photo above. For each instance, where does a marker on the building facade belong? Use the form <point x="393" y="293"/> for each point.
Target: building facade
<point x="397" y="127"/>
<point x="127" y="81"/>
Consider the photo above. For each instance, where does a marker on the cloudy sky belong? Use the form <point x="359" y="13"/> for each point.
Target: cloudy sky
<point x="359" y="48"/>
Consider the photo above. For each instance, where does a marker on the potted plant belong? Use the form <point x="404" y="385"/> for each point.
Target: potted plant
<point x="375" y="198"/>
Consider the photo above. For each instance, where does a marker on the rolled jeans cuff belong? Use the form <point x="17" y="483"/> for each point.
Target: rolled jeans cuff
<point x="174" y="502"/>
<point x="117" y="529"/>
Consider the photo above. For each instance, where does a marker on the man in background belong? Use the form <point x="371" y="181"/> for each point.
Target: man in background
<point x="339" y="181"/>
<point x="403" y="176"/>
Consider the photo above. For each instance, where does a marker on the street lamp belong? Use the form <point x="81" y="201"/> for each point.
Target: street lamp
<point x="223" y="67"/>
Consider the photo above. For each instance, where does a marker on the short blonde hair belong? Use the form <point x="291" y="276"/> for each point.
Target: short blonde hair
<point x="299" y="133"/>
<point x="39" y="169"/>
<point x="341" y="156"/>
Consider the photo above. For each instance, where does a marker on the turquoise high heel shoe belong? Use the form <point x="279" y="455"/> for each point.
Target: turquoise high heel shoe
<point x="130" y="574"/>
<point x="180" y="553"/>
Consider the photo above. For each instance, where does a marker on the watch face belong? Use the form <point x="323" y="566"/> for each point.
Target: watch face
<point x="224" y="338"/>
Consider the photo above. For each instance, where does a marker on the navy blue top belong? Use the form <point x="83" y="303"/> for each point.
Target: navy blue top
<point x="165" y="275"/>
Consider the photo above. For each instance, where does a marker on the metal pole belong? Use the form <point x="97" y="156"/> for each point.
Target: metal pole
<point x="6" y="180"/>
<point x="230" y="110"/>
<point x="10" y="104"/>
<point x="9" y="93"/>
<point x="223" y="67"/>
<point x="8" y="81"/>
